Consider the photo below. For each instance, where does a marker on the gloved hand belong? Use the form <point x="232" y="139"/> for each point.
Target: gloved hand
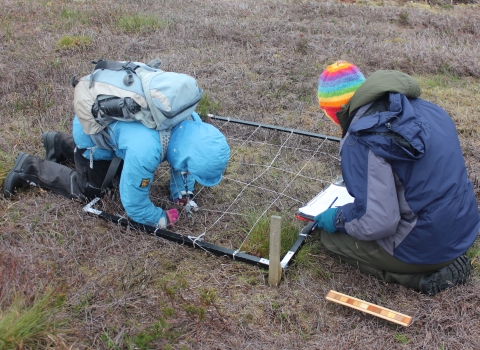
<point x="184" y="200"/>
<point x="172" y="216"/>
<point x="326" y="220"/>
<point x="168" y="218"/>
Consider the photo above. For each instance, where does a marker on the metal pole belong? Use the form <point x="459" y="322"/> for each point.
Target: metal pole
<point x="278" y="128"/>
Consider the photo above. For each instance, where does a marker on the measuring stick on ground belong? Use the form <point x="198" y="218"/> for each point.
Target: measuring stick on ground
<point x="369" y="308"/>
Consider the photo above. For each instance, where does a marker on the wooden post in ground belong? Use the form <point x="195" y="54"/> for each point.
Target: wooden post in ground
<point x="274" y="268"/>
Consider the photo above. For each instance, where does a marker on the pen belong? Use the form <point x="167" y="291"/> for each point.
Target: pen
<point x="315" y="225"/>
<point x="333" y="202"/>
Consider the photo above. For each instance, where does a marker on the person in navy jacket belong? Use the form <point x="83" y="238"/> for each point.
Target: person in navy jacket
<point x="414" y="213"/>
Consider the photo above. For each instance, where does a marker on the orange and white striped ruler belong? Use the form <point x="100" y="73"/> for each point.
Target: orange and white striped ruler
<point x="369" y="308"/>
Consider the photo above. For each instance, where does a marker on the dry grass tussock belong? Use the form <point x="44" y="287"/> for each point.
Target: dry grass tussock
<point x="257" y="61"/>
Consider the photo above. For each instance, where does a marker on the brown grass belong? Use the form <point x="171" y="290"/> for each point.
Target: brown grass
<point x="258" y="61"/>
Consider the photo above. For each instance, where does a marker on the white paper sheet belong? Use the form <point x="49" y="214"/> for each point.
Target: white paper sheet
<point x="333" y="196"/>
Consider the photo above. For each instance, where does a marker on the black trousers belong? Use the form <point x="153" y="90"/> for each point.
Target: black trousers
<point x="83" y="183"/>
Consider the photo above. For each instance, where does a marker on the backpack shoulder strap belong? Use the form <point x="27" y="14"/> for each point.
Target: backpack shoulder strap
<point x="112" y="170"/>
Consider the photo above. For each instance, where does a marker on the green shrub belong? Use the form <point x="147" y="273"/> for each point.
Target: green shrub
<point x="160" y="331"/>
<point x="138" y="24"/>
<point x="73" y="42"/>
<point x="258" y="241"/>
<point x="207" y="106"/>
<point x="72" y="18"/>
<point x="27" y="326"/>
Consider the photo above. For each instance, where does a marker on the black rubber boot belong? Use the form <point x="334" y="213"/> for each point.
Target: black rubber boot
<point x="13" y="181"/>
<point x="58" y="146"/>
<point x="454" y="274"/>
<point x="41" y="173"/>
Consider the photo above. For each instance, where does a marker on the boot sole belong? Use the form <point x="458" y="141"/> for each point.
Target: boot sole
<point x="455" y="273"/>
<point x="8" y="188"/>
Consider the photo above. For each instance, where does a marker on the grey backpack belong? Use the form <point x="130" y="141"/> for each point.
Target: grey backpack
<point x="133" y="92"/>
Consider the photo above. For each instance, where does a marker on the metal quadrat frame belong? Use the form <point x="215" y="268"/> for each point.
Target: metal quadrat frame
<point x="212" y="248"/>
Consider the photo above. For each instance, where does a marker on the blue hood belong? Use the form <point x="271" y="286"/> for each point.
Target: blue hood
<point x="199" y="148"/>
<point x="396" y="134"/>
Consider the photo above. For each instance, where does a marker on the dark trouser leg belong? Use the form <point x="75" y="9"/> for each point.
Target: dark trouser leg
<point x="370" y="258"/>
<point x="52" y="176"/>
<point x="90" y="179"/>
<point x="58" y="146"/>
<point x="82" y="183"/>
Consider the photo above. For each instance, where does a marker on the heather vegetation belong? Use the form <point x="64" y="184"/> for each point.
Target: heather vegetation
<point x="73" y="281"/>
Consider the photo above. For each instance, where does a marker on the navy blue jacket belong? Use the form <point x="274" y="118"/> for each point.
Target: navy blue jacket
<point x="403" y="164"/>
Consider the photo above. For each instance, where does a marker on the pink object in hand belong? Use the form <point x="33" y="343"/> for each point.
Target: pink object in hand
<point x="172" y="216"/>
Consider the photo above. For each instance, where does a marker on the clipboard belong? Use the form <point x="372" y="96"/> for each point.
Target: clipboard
<point x="333" y="196"/>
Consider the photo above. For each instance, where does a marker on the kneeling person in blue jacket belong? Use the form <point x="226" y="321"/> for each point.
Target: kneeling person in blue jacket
<point x="414" y="213"/>
<point x="196" y="151"/>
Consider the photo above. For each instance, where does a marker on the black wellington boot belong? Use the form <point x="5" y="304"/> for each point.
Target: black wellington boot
<point x="58" y="146"/>
<point x="41" y="173"/>
<point x="13" y="181"/>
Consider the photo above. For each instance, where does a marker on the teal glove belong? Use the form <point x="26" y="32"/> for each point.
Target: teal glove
<point x="326" y="220"/>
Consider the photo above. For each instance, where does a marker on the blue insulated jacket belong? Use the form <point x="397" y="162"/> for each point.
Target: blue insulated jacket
<point x="142" y="152"/>
<point x="404" y="166"/>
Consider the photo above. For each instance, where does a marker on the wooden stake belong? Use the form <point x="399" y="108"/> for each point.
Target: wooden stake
<point x="274" y="267"/>
<point x="369" y="308"/>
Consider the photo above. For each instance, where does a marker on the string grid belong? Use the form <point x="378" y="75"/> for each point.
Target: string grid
<point x="269" y="173"/>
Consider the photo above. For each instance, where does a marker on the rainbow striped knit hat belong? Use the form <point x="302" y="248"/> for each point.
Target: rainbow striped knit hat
<point x="336" y="86"/>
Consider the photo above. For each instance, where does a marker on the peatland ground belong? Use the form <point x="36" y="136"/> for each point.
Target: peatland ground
<point x="73" y="281"/>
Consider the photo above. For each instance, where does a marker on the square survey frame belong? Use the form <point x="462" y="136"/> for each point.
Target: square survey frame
<point x="197" y="241"/>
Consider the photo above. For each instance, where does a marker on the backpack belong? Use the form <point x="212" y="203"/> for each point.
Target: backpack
<point x="133" y="91"/>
